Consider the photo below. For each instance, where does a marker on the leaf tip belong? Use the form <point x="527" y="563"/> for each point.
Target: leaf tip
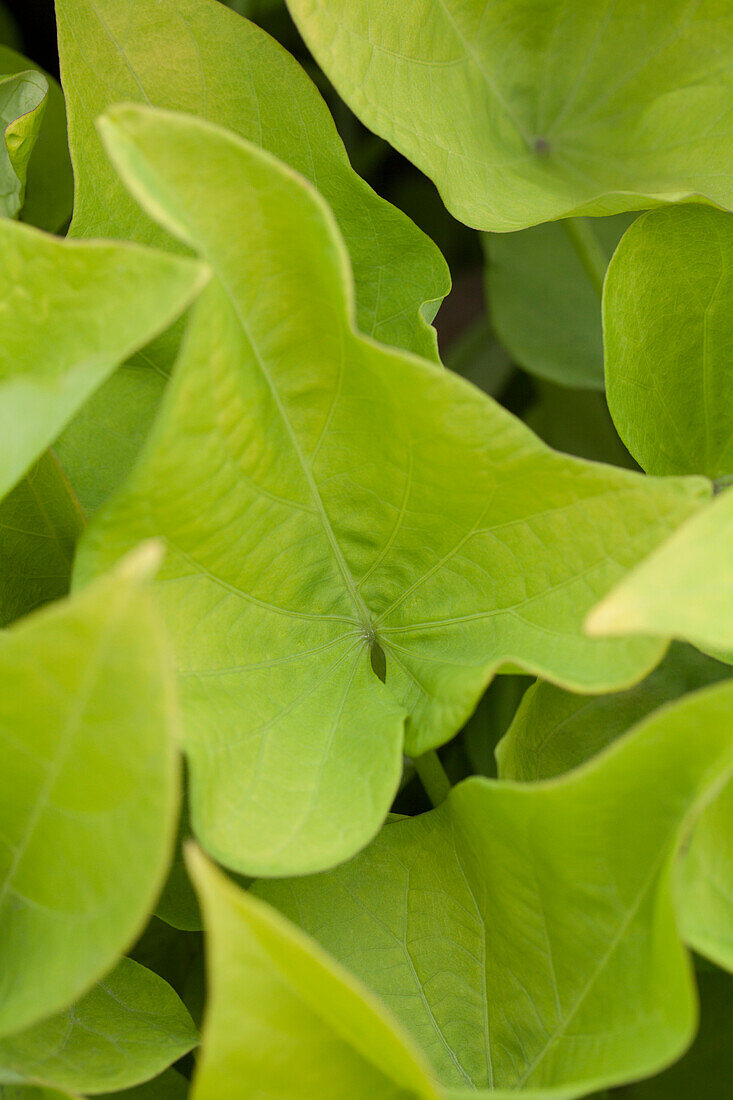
<point x="142" y="563"/>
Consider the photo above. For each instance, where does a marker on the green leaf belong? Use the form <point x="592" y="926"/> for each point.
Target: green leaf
<point x="198" y="57"/>
<point x="32" y="1092"/>
<point x="126" y="1029"/>
<point x="283" y="1014"/>
<point x="577" y="422"/>
<point x="50" y="183"/>
<point x="71" y="312"/>
<point x="88" y="789"/>
<point x="707" y="1069"/>
<point x="40" y="521"/>
<point x="554" y="731"/>
<point x="706" y="882"/>
<point x="684" y="589"/>
<point x="545" y="303"/>
<point x="22" y="104"/>
<point x="171" y="1085"/>
<point x="525" y="934"/>
<point x="523" y="112"/>
<point x="668" y="334"/>
<point x="325" y="499"/>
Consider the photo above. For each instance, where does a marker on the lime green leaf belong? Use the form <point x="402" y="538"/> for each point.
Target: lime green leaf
<point x="682" y="590"/>
<point x="196" y="56"/>
<point x="706" y="881"/>
<point x="545" y="304"/>
<point x="525" y="934"/>
<point x="668" y="333"/>
<point x="40" y="521"/>
<point x="22" y="104"/>
<point x="72" y="311"/>
<point x="327" y="503"/>
<point x="707" y="1070"/>
<point x="283" y="1014"/>
<point x="554" y="731"/>
<point x="126" y="1029"/>
<point x="88" y="789"/>
<point x="49" y="182"/>
<point x="523" y="112"/>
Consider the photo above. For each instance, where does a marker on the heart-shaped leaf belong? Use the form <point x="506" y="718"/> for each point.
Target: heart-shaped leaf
<point x="126" y="1029"/>
<point x="668" y="335"/>
<point x="283" y="1014"/>
<point x="70" y="312"/>
<point x="198" y="57"/>
<point x="338" y="513"/>
<point x="88" y="789"/>
<point x="525" y="935"/>
<point x="523" y="112"/>
<point x="554" y="731"/>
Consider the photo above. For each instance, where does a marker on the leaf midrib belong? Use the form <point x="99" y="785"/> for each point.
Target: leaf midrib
<point x="362" y="610"/>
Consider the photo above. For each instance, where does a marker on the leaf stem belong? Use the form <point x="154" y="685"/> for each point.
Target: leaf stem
<point x="589" y="250"/>
<point x="432" y="776"/>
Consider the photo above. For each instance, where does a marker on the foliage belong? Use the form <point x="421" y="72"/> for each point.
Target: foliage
<point x="439" y="655"/>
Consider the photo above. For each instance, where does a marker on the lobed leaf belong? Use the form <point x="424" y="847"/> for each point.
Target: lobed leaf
<point x="198" y="57"/>
<point x="283" y="1014"/>
<point x="70" y="312"/>
<point x="335" y="510"/>
<point x="554" y="731"/>
<point x="523" y="111"/>
<point x="668" y="336"/>
<point x="126" y="1029"/>
<point x="525" y="935"/>
<point x="88" y="790"/>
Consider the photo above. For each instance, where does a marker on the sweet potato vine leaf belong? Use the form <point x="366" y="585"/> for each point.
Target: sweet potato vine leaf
<point x="668" y="336"/>
<point x="198" y="57"/>
<point x="554" y="731"/>
<point x="70" y="312"/>
<point x="683" y="590"/>
<point x="126" y="1029"/>
<point x="525" y="935"/>
<point x="88" y="788"/>
<point x="329" y="503"/>
<point x="22" y="103"/>
<point x="285" y="1014"/>
<point x="215" y="64"/>
<point x="49" y="182"/>
<point x="523" y="112"/>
